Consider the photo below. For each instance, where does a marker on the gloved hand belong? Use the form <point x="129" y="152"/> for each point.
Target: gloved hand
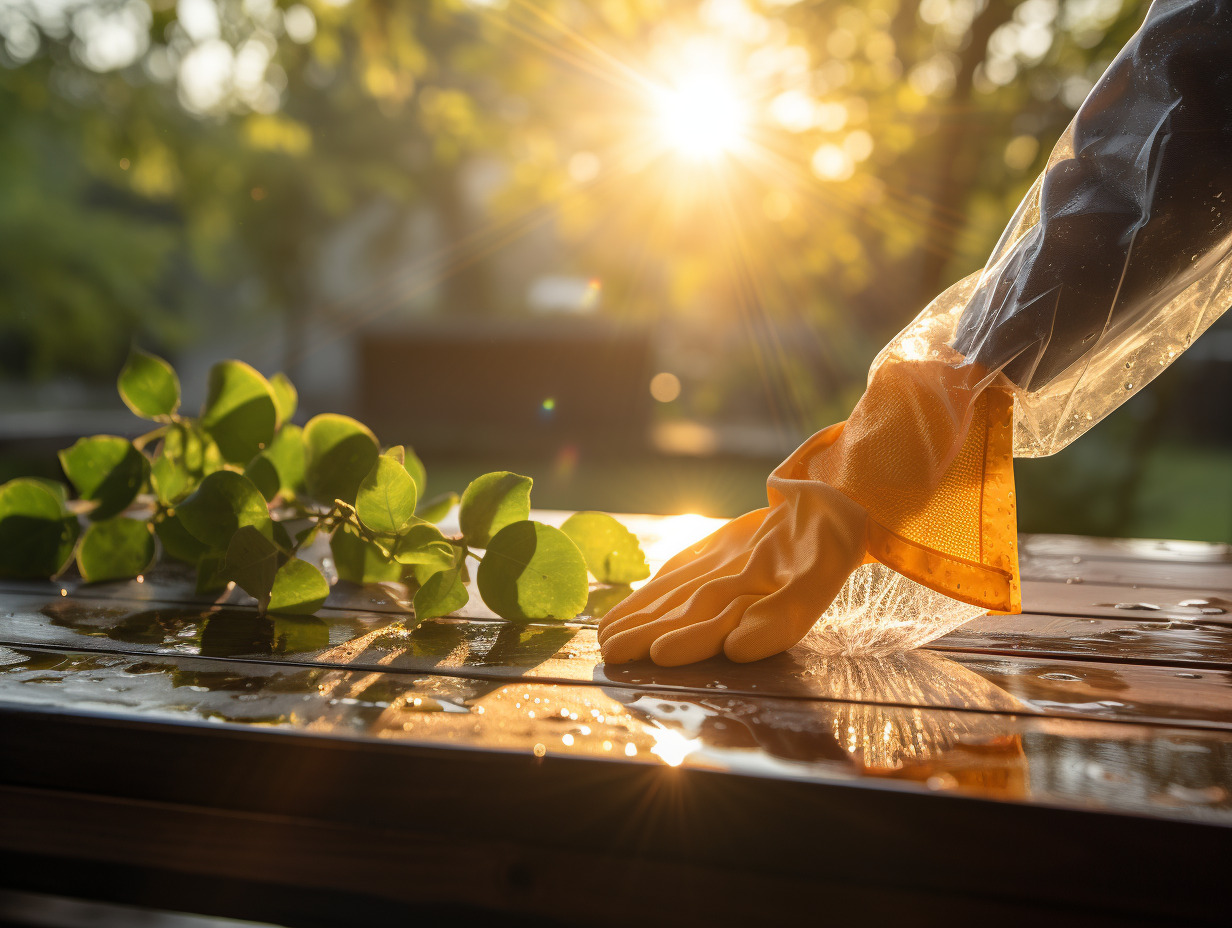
<point x="919" y="478"/>
<point x="750" y="589"/>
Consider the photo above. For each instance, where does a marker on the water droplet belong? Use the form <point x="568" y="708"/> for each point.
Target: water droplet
<point x="567" y="739"/>
<point x="630" y="749"/>
<point x="1111" y="704"/>
<point x="1129" y="385"/>
<point x="1201" y="795"/>
<point x="1213" y="610"/>
<point x="1062" y="677"/>
<point x="1189" y="676"/>
<point x="540" y="750"/>
<point x="1073" y="579"/>
<point x="1144" y="607"/>
<point x="1076" y="559"/>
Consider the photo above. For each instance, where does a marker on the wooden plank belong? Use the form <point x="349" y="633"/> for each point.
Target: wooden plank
<point x="1175" y="772"/>
<point x="1127" y="562"/>
<point x="1101" y="600"/>
<point x="569" y="653"/>
<point x="1178" y="643"/>
<point x="170" y="802"/>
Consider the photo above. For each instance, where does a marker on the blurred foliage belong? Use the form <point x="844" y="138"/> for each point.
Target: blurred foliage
<point x="158" y="158"/>
<point x="167" y="164"/>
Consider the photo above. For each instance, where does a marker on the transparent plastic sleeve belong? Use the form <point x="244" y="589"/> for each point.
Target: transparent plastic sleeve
<point x="1121" y="253"/>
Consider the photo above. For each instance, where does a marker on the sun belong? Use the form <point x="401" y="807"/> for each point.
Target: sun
<point x="701" y="116"/>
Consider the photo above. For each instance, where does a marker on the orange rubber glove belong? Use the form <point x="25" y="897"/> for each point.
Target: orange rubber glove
<point x="920" y="478"/>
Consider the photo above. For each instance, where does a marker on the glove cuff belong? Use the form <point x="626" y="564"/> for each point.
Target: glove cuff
<point x="928" y="453"/>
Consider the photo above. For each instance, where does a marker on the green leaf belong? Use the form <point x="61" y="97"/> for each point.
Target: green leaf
<point x="423" y="545"/>
<point x="360" y="561"/>
<point x="613" y="553"/>
<point x="442" y="593"/>
<point x="415" y="468"/>
<point x="37" y="533"/>
<point x="438" y="507"/>
<point x="299" y="589"/>
<point x="225" y="502"/>
<point x="186" y="455"/>
<point x="603" y="598"/>
<point x="176" y="540"/>
<point x="148" y="385"/>
<point x="264" y="476"/>
<point x="297" y="634"/>
<point x="386" y="499"/>
<point x="252" y="562"/>
<point x="286" y="453"/>
<point x="107" y="470"/>
<point x="339" y="454"/>
<point x="239" y="413"/>
<point x="490" y="503"/>
<point x="56" y="487"/>
<point x="211" y="572"/>
<point x="533" y="571"/>
<point x="115" y="550"/>
<point x="286" y="399"/>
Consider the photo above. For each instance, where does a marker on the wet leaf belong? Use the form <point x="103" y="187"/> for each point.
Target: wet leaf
<point x="441" y="594"/>
<point x="360" y="561"/>
<point x="533" y="571"/>
<point x="386" y="498"/>
<point x="116" y="549"/>
<point x="107" y="470"/>
<point x="492" y="502"/>
<point x="37" y="533"/>
<point x="148" y="385"/>
<point x="339" y="453"/>
<point x="239" y="413"/>
<point x="613" y="553"/>
<point x="286" y="398"/>
<point x="225" y="502"/>
<point x="299" y="589"/>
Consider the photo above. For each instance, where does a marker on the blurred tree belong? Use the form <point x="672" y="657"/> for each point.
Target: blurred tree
<point x="802" y="175"/>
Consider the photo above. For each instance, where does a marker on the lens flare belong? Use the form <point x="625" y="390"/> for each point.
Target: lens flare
<point x="702" y="116"/>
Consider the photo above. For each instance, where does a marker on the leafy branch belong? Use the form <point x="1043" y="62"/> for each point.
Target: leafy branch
<point x="223" y="491"/>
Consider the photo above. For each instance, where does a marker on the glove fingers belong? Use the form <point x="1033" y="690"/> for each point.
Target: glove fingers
<point x="701" y="641"/>
<point x="670" y="597"/>
<point x="631" y="640"/>
<point x="778" y="621"/>
<point x="654" y="596"/>
<point x="661" y="586"/>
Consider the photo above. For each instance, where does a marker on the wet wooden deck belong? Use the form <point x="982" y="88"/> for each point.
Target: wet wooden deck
<point x="1073" y="763"/>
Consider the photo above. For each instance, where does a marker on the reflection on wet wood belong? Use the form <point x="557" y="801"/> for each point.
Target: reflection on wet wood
<point x="1169" y="667"/>
<point x="1181" y="642"/>
<point x="1092" y="705"/>
<point x="1184" y="565"/>
<point x="500" y="651"/>
<point x="1007" y="755"/>
<point x="1099" y="600"/>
